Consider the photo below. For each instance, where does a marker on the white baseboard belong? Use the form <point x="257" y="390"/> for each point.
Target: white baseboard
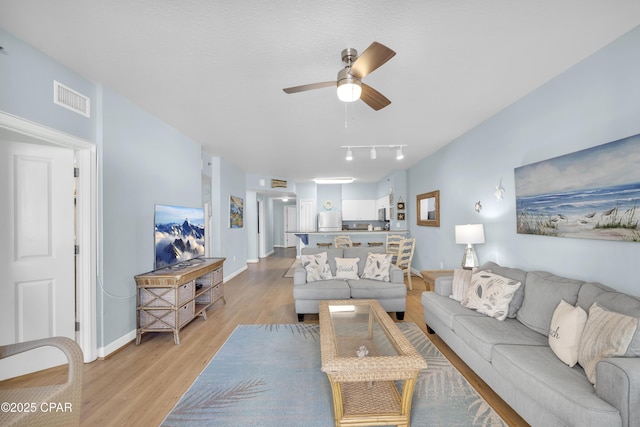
<point x="115" y="345"/>
<point x="253" y="261"/>
<point x="235" y="273"/>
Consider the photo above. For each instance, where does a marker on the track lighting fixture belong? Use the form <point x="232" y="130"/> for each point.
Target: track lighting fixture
<point x="373" y="150"/>
<point x="349" y="155"/>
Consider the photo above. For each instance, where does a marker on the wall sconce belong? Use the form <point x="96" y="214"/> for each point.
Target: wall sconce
<point x="499" y="193"/>
<point x="469" y="235"/>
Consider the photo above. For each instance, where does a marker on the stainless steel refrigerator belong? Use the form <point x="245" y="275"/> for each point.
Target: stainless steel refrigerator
<point x="330" y="221"/>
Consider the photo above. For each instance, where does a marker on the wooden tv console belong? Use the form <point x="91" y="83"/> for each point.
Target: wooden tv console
<point x="171" y="297"/>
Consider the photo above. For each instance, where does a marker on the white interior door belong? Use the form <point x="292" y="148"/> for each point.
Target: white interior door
<point x="37" y="290"/>
<point x="290" y="226"/>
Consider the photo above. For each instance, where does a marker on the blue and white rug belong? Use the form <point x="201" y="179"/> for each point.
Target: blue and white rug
<point x="269" y="376"/>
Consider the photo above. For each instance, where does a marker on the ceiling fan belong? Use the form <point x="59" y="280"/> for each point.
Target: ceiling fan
<point x="349" y="82"/>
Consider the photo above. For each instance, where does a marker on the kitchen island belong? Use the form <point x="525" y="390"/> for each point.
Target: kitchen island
<point x="362" y="236"/>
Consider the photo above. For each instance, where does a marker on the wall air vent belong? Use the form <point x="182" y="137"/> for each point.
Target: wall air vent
<point x="70" y="99"/>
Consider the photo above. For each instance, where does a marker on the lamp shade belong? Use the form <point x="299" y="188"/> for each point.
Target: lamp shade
<point x="469" y="234"/>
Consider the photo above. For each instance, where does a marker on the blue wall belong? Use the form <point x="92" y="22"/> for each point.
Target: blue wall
<point x="595" y="102"/>
<point x="143" y="162"/>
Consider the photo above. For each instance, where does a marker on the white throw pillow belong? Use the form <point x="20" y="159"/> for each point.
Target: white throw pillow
<point x="316" y="266"/>
<point x="606" y="334"/>
<point x="377" y="267"/>
<point x="490" y="294"/>
<point x="566" y="329"/>
<point x="460" y="283"/>
<point x="347" y="268"/>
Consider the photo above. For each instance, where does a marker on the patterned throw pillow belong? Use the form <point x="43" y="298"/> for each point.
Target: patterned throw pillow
<point x="377" y="267"/>
<point x="606" y="334"/>
<point x="460" y="284"/>
<point x="317" y="267"/>
<point x="566" y="329"/>
<point x="347" y="268"/>
<point x="490" y="294"/>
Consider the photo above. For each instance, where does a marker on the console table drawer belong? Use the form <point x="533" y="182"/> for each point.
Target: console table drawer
<point x="166" y="297"/>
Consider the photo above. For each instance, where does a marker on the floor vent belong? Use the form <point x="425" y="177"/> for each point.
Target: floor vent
<point x="69" y="98"/>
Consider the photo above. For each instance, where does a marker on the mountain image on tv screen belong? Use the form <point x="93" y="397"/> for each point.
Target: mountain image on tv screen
<point x="179" y="234"/>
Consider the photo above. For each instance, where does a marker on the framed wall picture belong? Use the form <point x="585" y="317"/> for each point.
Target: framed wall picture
<point x="400" y="206"/>
<point x="236" y="212"/>
<point x="401" y="216"/>
<point x="428" y="206"/>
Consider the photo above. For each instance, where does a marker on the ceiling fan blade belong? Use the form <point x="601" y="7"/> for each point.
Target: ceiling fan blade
<point x="311" y="86"/>
<point x="373" y="98"/>
<point x="372" y="58"/>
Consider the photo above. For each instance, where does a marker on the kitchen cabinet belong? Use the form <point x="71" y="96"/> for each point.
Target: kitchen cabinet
<point x="359" y="210"/>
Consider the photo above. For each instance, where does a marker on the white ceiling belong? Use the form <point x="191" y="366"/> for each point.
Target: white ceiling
<point x="215" y="69"/>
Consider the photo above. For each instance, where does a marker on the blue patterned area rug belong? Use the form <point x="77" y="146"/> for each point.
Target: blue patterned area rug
<point x="269" y="376"/>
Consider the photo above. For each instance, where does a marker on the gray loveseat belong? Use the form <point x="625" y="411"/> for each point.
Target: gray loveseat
<point x="513" y="356"/>
<point x="392" y="295"/>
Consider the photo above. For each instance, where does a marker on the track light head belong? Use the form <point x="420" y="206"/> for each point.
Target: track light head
<point x="399" y="154"/>
<point x="349" y="156"/>
<point x="373" y="153"/>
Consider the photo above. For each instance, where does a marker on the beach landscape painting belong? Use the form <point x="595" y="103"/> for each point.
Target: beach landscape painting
<point x="589" y="194"/>
<point x="236" y="212"/>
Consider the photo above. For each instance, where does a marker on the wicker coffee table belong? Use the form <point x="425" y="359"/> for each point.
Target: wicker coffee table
<point x="363" y="386"/>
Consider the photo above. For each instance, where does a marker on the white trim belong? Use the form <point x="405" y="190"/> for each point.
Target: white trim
<point x="253" y="261"/>
<point x="235" y="273"/>
<point x="86" y="160"/>
<point x="117" y="344"/>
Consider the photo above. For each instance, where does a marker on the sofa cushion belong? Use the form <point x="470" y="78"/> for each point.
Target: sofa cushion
<point x="324" y="289"/>
<point x="316" y="266"/>
<point x="377" y="267"/>
<point x="347" y="268"/>
<point x="376" y="289"/>
<point x="360" y="252"/>
<point x="612" y="300"/>
<point x="563" y="391"/>
<point x="512" y="273"/>
<point x="567" y="325"/>
<point x="482" y="333"/>
<point x="445" y="308"/>
<point x="490" y="294"/>
<point x="606" y="334"/>
<point x="543" y="292"/>
<point x="460" y="283"/>
<point x="332" y="253"/>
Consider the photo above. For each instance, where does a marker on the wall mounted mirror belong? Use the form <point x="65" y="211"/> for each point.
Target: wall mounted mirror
<point x="429" y="208"/>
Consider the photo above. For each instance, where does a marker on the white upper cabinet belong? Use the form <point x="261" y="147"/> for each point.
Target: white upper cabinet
<point x="359" y="210"/>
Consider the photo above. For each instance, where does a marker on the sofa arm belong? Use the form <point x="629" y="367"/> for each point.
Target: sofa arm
<point x="396" y="275"/>
<point x="618" y="384"/>
<point x="299" y="276"/>
<point x="444" y="286"/>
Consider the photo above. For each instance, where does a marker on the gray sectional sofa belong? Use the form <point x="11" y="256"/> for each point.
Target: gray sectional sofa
<point x="513" y="356"/>
<point x="392" y="295"/>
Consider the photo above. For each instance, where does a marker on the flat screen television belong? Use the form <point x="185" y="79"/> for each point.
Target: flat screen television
<point x="179" y="234"/>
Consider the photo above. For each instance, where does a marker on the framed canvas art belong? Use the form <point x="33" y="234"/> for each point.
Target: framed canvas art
<point x="236" y="212"/>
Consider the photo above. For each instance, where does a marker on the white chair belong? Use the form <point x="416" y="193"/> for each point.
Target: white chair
<point x="393" y="245"/>
<point x="405" y="255"/>
<point x="342" y="242"/>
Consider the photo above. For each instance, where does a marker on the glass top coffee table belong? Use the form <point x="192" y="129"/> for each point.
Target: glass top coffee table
<point x="365" y="355"/>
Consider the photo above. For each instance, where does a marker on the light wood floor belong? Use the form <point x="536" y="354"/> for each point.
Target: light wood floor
<point x="139" y="385"/>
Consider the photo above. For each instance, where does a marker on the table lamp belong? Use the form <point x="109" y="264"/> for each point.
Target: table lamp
<point x="469" y="235"/>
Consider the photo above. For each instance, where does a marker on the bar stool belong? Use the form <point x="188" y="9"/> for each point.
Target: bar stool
<point x="356" y="244"/>
<point x="371" y="244"/>
<point x="324" y="245"/>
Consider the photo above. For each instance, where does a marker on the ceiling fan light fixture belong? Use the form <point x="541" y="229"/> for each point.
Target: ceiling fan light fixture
<point x="349" y="87"/>
<point x="349" y="156"/>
